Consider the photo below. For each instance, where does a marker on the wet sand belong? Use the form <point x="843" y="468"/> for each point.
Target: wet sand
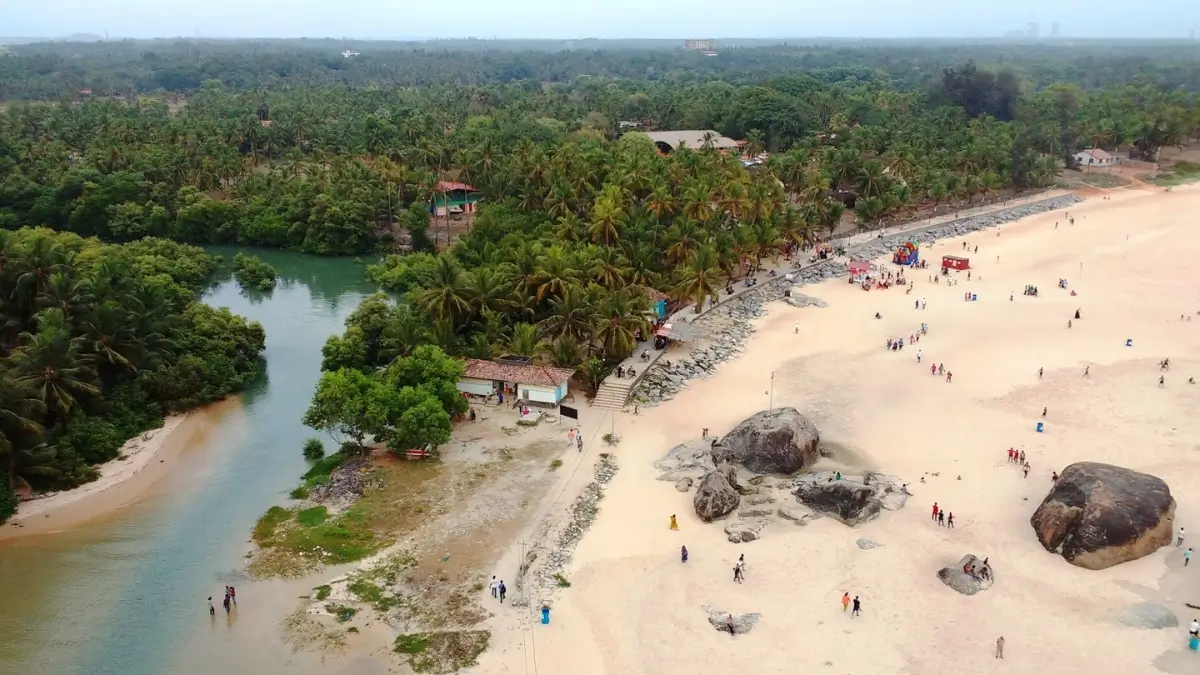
<point x="633" y="608"/>
<point x="149" y="457"/>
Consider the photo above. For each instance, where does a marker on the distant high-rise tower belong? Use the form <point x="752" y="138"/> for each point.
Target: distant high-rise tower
<point x="1054" y="29"/>
<point x="1033" y="29"/>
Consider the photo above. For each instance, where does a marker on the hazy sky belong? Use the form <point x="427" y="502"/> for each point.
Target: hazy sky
<point x="593" y="18"/>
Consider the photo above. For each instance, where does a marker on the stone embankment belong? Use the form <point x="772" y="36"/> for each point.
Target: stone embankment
<point x="729" y="323"/>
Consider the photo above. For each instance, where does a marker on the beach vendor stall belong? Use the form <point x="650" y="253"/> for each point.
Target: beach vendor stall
<point x="859" y="271"/>
<point x="953" y="262"/>
<point x="677" y="331"/>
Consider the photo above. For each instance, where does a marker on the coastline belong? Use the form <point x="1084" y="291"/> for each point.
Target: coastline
<point x="625" y="571"/>
<point x="123" y="481"/>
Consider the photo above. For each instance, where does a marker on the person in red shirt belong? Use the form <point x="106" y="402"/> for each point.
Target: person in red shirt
<point x="935" y="511"/>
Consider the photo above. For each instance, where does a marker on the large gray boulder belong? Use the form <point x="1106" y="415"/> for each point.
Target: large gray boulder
<point x="715" y="498"/>
<point x="954" y="576"/>
<point x="776" y="441"/>
<point x="1100" y="515"/>
<point x="721" y="620"/>
<point x="849" y="501"/>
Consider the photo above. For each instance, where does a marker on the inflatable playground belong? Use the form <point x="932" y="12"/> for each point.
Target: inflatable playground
<point x="908" y="254"/>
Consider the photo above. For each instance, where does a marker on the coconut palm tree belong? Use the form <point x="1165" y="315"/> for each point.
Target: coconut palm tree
<point x="445" y="297"/>
<point x="699" y="279"/>
<point x="53" y="365"/>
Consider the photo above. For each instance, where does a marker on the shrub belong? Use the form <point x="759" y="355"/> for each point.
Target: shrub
<point x="314" y="449"/>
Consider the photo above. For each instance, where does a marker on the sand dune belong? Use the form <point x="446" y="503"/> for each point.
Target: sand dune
<point x="634" y="609"/>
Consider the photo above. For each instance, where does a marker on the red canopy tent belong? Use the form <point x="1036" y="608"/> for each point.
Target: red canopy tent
<point x="859" y="267"/>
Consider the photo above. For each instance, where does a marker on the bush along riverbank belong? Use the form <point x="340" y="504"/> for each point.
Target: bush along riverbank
<point x="735" y="316"/>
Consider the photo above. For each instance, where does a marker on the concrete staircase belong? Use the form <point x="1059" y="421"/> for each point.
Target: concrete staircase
<point x="613" y="393"/>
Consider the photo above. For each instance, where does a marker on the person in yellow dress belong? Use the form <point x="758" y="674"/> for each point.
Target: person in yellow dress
<point x="674" y="525"/>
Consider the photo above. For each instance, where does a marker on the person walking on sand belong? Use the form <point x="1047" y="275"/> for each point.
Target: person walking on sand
<point x="674" y="524"/>
<point x="495" y="586"/>
<point x="1087" y="371"/>
<point x="1179" y="537"/>
<point x="857" y="607"/>
<point x="729" y="625"/>
<point x="1026" y="469"/>
<point x="796" y="328"/>
<point x="737" y="574"/>
<point x="1161" y="379"/>
<point x="919" y="354"/>
<point x="845" y="601"/>
<point x="1187" y="557"/>
<point x="935" y="511"/>
<point x="683" y="554"/>
<point x="1000" y="647"/>
<point x="1022" y="457"/>
<point x="950" y="521"/>
<point x="503" y="591"/>
<point x="941" y="518"/>
<point x="1040" y="371"/>
<point x="212" y="611"/>
<point x="1045" y="410"/>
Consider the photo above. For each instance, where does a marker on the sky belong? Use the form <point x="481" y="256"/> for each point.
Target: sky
<point x="674" y="19"/>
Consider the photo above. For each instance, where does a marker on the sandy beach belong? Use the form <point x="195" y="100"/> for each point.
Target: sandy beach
<point x="634" y="608"/>
<point x="143" y="461"/>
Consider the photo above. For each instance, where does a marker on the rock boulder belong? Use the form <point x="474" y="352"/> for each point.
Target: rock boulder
<point x="849" y="501"/>
<point x="954" y="576"/>
<point x="778" y="441"/>
<point x="1099" y="515"/>
<point x="715" y="497"/>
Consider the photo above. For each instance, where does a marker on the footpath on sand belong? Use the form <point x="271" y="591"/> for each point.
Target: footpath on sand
<point x="658" y="381"/>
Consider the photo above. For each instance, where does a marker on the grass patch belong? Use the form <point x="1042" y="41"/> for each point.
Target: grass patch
<point x="370" y="586"/>
<point x="264" y="529"/>
<point x="323" y="591"/>
<point x="556" y="464"/>
<point x="1103" y="180"/>
<point x="313" y="516"/>
<point x="561" y="581"/>
<point x="442" y="653"/>
<point x="1179" y="174"/>
<point x="299" y="493"/>
<point x="372" y="594"/>
<point x="319" y="473"/>
<point x="341" y="612"/>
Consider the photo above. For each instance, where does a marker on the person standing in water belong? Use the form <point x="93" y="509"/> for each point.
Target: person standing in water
<point x="212" y="611"/>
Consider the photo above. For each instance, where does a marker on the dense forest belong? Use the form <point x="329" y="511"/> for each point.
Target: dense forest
<point x="291" y="145"/>
<point x="99" y="342"/>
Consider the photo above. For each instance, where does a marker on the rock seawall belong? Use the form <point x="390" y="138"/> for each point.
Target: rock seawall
<point x="661" y="382"/>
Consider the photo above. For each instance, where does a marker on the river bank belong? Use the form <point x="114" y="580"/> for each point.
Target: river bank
<point x="140" y="462"/>
<point x="881" y="412"/>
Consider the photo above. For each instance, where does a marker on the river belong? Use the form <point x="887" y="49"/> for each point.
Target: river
<point x="127" y="593"/>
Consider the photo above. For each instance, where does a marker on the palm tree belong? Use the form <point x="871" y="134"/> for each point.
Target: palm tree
<point x="619" y="316"/>
<point x="524" y="341"/>
<point x="556" y="273"/>
<point x="445" y="297"/>
<point x="564" y="352"/>
<point x="570" y="316"/>
<point x="699" y="279"/>
<point x="609" y="268"/>
<point x="52" y="365"/>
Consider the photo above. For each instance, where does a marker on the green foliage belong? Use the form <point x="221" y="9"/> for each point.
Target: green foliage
<point x="561" y="581"/>
<point x="264" y="530"/>
<point x="314" y="449"/>
<point x="442" y="652"/>
<point x="409" y="405"/>
<point x="322" y="592"/>
<point x="403" y="273"/>
<point x="299" y="492"/>
<point x="252" y="273"/>
<point x="341" y="612"/>
<point x="556" y="464"/>
<point x="101" y="341"/>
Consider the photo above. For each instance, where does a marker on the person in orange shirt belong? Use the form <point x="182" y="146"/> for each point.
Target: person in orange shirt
<point x="845" y="601"/>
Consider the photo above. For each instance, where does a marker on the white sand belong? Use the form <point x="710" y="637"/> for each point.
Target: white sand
<point x="134" y="457"/>
<point x="633" y="608"/>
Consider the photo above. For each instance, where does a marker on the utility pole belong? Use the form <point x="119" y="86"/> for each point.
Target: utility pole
<point x="771" y="403"/>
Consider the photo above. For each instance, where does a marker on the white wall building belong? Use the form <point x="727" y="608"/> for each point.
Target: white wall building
<point x="1095" y="157"/>
<point x="526" y="381"/>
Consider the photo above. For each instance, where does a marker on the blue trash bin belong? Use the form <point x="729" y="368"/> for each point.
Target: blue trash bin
<point x="1128" y="342"/>
<point x="545" y="615"/>
<point x="1194" y="643"/>
<point x="1041" y="427"/>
